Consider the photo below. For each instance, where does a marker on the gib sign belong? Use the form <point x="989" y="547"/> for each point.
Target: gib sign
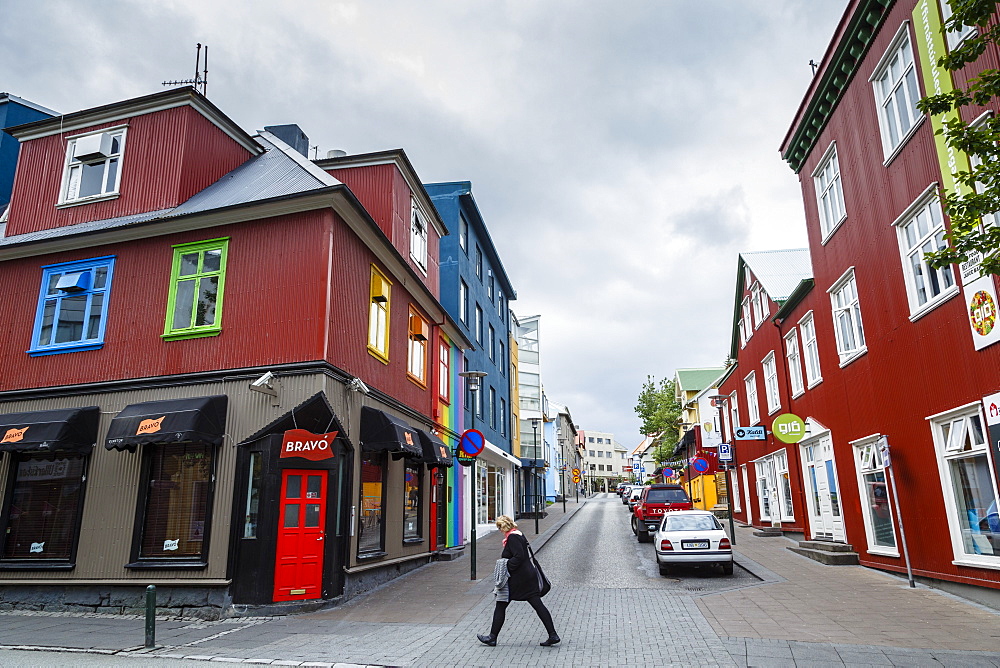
<point x="788" y="428"/>
<point x="307" y="445"/>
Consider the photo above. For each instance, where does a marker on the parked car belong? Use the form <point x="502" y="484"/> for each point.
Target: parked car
<point x="620" y="488"/>
<point x="692" y="537"/>
<point x="656" y="500"/>
<point x="634" y="496"/>
<point x="626" y="492"/>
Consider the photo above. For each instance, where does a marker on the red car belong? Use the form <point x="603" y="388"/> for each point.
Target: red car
<point x="654" y="502"/>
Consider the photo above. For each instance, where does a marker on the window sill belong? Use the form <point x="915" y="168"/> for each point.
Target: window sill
<point x="87" y="200"/>
<point x="42" y="352"/>
<point x="412" y="541"/>
<point x="188" y="334"/>
<point x="853" y="356"/>
<point x="993" y="564"/>
<point x="798" y="394"/>
<point x="772" y="411"/>
<point x="814" y="383"/>
<point x="36" y="566"/>
<point x="903" y="142"/>
<point x="416" y="381"/>
<point x="930" y="306"/>
<point x="883" y="552"/>
<point x="377" y="354"/>
<point x="165" y="565"/>
<point x="372" y="556"/>
<point x="836" y="226"/>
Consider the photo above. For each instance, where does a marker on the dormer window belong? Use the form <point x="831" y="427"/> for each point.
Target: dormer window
<point x="93" y="166"/>
<point x="418" y="236"/>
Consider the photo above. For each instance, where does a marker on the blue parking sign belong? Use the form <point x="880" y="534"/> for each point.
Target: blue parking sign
<point x="725" y="452"/>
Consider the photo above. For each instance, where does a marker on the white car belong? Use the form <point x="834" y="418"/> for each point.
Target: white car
<point x="692" y="537"/>
<point x="633" y="496"/>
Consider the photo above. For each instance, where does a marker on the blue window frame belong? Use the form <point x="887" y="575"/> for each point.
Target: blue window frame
<point x="72" y="306"/>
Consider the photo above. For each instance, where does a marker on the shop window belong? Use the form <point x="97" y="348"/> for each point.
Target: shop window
<point x="43" y="515"/>
<point x="412" y="488"/>
<point x="72" y="307"/>
<point x="875" y="507"/>
<point x="176" y="505"/>
<point x="774" y="487"/>
<point x="197" y="281"/>
<point x="764" y="486"/>
<point x="417" y="355"/>
<point x="93" y="166"/>
<point x="969" y="486"/>
<point x="371" y="528"/>
<point x="378" y="315"/>
<point x="253" y="496"/>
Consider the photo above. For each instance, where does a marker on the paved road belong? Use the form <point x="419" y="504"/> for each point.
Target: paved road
<point x="610" y="605"/>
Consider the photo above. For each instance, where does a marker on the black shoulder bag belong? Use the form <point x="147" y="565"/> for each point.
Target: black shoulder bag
<point x="543" y="582"/>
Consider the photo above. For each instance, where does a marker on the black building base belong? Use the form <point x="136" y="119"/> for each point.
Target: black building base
<point x="208" y="603"/>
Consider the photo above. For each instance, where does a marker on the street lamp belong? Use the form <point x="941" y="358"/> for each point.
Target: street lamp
<point x="472" y="380"/>
<point x="534" y="429"/>
<point x="720" y="400"/>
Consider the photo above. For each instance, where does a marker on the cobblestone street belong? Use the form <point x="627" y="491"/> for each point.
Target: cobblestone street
<point x="609" y="603"/>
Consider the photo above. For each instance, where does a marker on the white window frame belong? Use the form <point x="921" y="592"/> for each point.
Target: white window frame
<point x="463" y="233"/>
<point x="927" y="205"/>
<point x="765" y="503"/>
<point x="946" y="453"/>
<point x="743" y="334"/>
<point x="72" y="165"/>
<point x="734" y="491"/>
<point x="955" y="37"/>
<point x="463" y="302"/>
<point x="734" y="416"/>
<point x="753" y="407"/>
<point x="899" y="56"/>
<point x="793" y="360"/>
<point x="868" y="459"/>
<point x="747" y="319"/>
<point x="990" y="219"/>
<point x="759" y="304"/>
<point x="846" y="309"/>
<point x="810" y="350"/>
<point x="418" y="236"/>
<point x="770" y="369"/>
<point x="829" y="193"/>
<point x="786" y="504"/>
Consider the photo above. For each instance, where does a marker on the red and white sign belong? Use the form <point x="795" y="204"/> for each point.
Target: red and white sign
<point x="307" y="445"/>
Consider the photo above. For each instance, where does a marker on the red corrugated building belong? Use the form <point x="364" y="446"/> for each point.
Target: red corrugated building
<point x="222" y="369"/>
<point x="872" y="347"/>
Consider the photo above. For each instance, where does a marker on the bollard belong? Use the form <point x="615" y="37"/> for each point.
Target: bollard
<point x="150" y="616"/>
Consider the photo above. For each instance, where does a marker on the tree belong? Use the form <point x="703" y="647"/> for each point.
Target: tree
<point x="978" y="189"/>
<point x="659" y="411"/>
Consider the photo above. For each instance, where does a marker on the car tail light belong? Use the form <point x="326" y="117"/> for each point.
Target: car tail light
<point x="724" y="544"/>
<point x="665" y="546"/>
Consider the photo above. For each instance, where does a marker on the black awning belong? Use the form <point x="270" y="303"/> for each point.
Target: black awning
<point x="382" y="431"/>
<point x="436" y="453"/>
<point x="195" y="419"/>
<point x="528" y="463"/>
<point x="62" y="429"/>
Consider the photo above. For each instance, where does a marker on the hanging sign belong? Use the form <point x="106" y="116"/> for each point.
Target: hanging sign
<point x="725" y="452"/>
<point x="788" y="428"/>
<point x="981" y="309"/>
<point x="751" y="434"/>
<point x="307" y="445"/>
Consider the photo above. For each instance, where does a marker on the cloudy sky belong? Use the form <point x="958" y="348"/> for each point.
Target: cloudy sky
<point x="622" y="153"/>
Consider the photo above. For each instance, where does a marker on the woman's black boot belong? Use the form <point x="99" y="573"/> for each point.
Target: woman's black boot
<point x="552" y="640"/>
<point x="491" y="640"/>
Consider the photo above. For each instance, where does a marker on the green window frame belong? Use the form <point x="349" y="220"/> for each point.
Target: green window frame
<point x="197" y="285"/>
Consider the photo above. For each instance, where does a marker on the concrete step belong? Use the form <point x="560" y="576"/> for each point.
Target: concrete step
<point x="826" y="545"/>
<point x="768" y="532"/>
<point x="827" y="557"/>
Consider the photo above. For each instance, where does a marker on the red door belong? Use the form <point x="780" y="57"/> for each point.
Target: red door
<point x="298" y="568"/>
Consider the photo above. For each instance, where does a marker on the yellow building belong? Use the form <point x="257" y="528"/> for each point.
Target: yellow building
<point x="699" y="429"/>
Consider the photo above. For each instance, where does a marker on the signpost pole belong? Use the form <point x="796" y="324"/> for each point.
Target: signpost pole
<point x="899" y="518"/>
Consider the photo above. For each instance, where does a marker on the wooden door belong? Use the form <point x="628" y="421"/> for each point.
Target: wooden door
<point x="298" y="569"/>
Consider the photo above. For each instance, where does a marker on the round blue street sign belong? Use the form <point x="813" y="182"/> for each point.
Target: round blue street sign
<point x="472" y="442"/>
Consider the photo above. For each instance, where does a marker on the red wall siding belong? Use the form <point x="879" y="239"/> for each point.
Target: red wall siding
<point x="911" y="370"/>
<point x="372" y="185"/>
<point x="269" y="262"/>
<point x="169" y="155"/>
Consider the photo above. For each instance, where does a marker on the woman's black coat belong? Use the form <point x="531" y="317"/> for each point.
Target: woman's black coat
<point x="523" y="582"/>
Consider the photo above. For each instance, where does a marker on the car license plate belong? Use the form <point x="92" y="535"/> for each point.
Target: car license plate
<point x="694" y="545"/>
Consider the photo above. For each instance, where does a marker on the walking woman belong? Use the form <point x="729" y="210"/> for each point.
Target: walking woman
<point x="517" y="580"/>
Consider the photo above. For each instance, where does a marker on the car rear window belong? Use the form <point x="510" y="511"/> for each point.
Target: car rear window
<point x="666" y="496"/>
<point x="691" y="523"/>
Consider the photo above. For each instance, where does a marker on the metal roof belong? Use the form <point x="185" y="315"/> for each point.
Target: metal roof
<point x="696" y="380"/>
<point x="272" y="174"/>
<point x="779" y="271"/>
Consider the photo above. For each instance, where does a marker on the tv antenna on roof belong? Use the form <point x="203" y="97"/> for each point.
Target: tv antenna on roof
<point x="200" y="80"/>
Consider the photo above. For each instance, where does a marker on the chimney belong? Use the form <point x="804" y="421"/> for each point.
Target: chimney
<point x="292" y="135"/>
